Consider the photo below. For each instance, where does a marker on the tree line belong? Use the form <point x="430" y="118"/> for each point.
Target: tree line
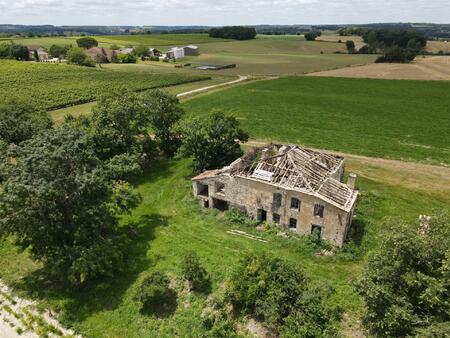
<point x="233" y="32"/>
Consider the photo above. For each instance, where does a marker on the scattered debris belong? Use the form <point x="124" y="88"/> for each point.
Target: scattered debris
<point x="246" y="235"/>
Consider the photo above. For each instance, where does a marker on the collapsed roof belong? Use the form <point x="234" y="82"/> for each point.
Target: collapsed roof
<point x="294" y="168"/>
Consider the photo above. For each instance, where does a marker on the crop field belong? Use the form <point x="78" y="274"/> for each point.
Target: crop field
<point x="422" y="68"/>
<point x="289" y="55"/>
<point x="437" y="46"/>
<point x="58" y="85"/>
<point x="381" y="118"/>
<point x="171" y="223"/>
<point x="336" y="37"/>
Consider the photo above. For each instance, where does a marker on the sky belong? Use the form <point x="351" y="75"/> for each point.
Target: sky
<point x="220" y="12"/>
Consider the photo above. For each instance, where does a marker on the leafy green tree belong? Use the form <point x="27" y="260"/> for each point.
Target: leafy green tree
<point x="5" y="50"/>
<point x="87" y="42"/>
<point x="119" y="125"/>
<point x="193" y="271"/>
<point x="310" y="36"/>
<point x="350" y="46"/>
<point x="279" y="294"/>
<point x="212" y="141"/>
<point x="406" y="284"/>
<point x="58" y="51"/>
<point x="164" y="113"/>
<point x="233" y="32"/>
<point x="20" y="52"/>
<point x="142" y="51"/>
<point x="20" y="120"/>
<point x="36" y="55"/>
<point x="58" y="201"/>
<point x="78" y="56"/>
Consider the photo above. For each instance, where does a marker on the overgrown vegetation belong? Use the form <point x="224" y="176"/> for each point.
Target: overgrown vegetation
<point x="406" y="284"/>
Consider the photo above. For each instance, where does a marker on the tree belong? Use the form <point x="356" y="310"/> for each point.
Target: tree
<point x="212" y="141"/>
<point x="58" y="201"/>
<point x="310" y="36"/>
<point x="142" y="51"/>
<point x="20" y="52"/>
<point x="20" y="121"/>
<point x="279" y="294"/>
<point x="164" y="113"/>
<point x="5" y="50"/>
<point x="193" y="271"/>
<point x="114" y="57"/>
<point x="36" y="55"/>
<point x="406" y="284"/>
<point x="78" y="56"/>
<point x="397" y="54"/>
<point x="58" y="51"/>
<point x="350" y="46"/>
<point x="87" y="42"/>
<point x="120" y="124"/>
<point x="101" y="58"/>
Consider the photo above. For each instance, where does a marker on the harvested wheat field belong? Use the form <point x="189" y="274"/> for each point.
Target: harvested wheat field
<point x="438" y="46"/>
<point x="336" y="37"/>
<point x="423" y="68"/>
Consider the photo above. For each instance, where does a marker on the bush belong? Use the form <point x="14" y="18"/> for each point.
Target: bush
<point x="153" y="289"/>
<point x="311" y="36"/>
<point x="78" y="56"/>
<point x="128" y="58"/>
<point x="237" y="216"/>
<point x="405" y="285"/>
<point x="279" y="294"/>
<point x="398" y="55"/>
<point x="194" y="272"/>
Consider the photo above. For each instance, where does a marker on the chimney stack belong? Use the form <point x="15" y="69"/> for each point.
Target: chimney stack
<point x="351" y="183"/>
<point x="265" y="154"/>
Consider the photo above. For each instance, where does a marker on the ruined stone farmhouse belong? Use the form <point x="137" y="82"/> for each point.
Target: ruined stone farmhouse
<point x="297" y="188"/>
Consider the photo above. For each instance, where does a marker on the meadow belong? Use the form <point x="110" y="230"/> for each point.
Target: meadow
<point x="286" y="55"/>
<point x="406" y="120"/>
<point x="58" y="85"/>
<point x="170" y="223"/>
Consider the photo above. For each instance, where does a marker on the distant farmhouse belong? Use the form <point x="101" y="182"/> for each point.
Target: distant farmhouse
<point x="94" y="51"/>
<point x="297" y="188"/>
<point x="177" y="53"/>
<point x="42" y="54"/>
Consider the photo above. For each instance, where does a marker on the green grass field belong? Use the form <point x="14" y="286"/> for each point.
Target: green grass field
<point x="290" y="55"/>
<point x="381" y="118"/>
<point x="58" y="85"/>
<point x="121" y="40"/>
<point x="171" y="223"/>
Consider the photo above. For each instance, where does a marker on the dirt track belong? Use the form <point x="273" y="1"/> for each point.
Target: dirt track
<point x="430" y="179"/>
<point x="423" y="68"/>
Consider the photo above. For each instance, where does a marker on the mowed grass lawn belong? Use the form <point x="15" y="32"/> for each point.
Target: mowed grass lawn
<point x="407" y="120"/>
<point x="170" y="223"/>
<point x="58" y="85"/>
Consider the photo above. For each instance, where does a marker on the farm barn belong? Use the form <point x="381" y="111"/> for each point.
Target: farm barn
<point x="191" y="50"/>
<point x="294" y="187"/>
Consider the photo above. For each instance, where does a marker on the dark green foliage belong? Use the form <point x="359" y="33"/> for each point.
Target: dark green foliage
<point x="58" y="51"/>
<point x="36" y="55"/>
<point x="128" y="58"/>
<point x="406" y="284"/>
<point x="119" y="125"/>
<point x="213" y="141"/>
<point x="164" y="113"/>
<point x="78" y="56"/>
<point x="20" y="120"/>
<point x="59" y="202"/>
<point x="279" y="294"/>
<point x="233" y="32"/>
<point x="154" y="294"/>
<point x="87" y="42"/>
<point x="20" y="52"/>
<point x="194" y="272"/>
<point x="397" y="54"/>
<point x="350" y="46"/>
<point x="5" y="50"/>
<point x="311" y="36"/>
<point x="142" y="50"/>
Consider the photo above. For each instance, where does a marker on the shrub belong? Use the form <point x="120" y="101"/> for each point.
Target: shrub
<point x="87" y="42"/>
<point x="398" y="55"/>
<point x="279" y="294"/>
<point x="78" y="56"/>
<point x="153" y="289"/>
<point x="405" y="285"/>
<point x="194" y="272"/>
<point x="237" y="216"/>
